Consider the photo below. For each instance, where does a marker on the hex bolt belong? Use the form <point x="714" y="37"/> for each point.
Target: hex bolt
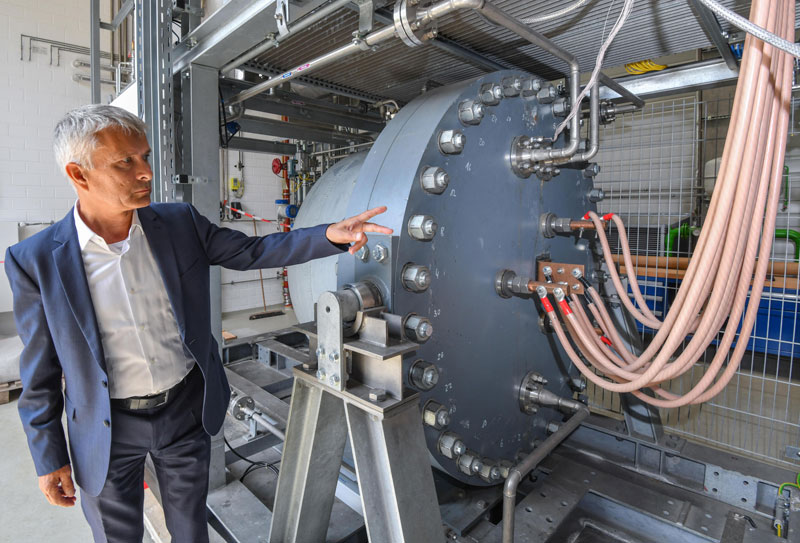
<point x="334" y="380"/>
<point x="541" y="291"/>
<point x="418" y="328"/>
<point x="362" y="254"/>
<point x="469" y="463"/>
<point x="320" y="352"/>
<point x="490" y="94"/>
<point x="552" y="427"/>
<point x="380" y="253"/>
<point x="470" y="112"/>
<point x="333" y="357"/>
<point x="450" y="445"/>
<point x="495" y="474"/>
<point x="423" y="375"/>
<point x="422" y="227"/>
<point x="576" y="273"/>
<point x="530" y="86"/>
<point x="596" y="195"/>
<point x="435" y="415"/>
<point x="561" y="107"/>
<point x="511" y="86"/>
<point x="321" y="375"/>
<point x="592" y="170"/>
<point x="377" y="395"/>
<point x="434" y="179"/>
<point x="547" y="270"/>
<point x="560" y="271"/>
<point x="547" y="95"/>
<point x="451" y="142"/>
<point x="416" y="278"/>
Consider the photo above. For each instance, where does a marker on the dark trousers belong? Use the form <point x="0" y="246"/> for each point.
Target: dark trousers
<point x="174" y="437"/>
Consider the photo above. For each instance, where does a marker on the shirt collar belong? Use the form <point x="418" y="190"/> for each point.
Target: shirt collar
<point x="86" y="234"/>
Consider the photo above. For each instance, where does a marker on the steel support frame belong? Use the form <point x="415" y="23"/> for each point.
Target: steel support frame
<point x="94" y="49"/>
<point x="710" y="25"/>
<point x="154" y="81"/>
<point x="391" y="460"/>
<point x="687" y="78"/>
<point x="233" y="29"/>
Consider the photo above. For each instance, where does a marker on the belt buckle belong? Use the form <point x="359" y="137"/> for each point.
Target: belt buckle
<point x="163" y="400"/>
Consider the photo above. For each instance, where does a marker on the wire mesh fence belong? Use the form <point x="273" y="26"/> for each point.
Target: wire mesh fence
<point x="658" y="168"/>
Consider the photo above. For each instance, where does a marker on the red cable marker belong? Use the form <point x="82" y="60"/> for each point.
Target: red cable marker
<point x="565" y="307"/>
<point x="607" y="216"/>
<point x="605" y="340"/>
<point x="548" y="307"/>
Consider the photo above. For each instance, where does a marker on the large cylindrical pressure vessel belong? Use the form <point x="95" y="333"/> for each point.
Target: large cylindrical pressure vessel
<point x="461" y="214"/>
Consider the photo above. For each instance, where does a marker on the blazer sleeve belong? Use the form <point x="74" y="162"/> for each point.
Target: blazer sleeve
<point x="238" y="251"/>
<point x="41" y="402"/>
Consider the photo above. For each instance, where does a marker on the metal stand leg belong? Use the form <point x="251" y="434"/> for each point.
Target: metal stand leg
<point x="394" y="474"/>
<point x="312" y="455"/>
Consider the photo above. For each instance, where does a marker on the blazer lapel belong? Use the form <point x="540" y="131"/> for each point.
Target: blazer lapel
<point x="71" y="273"/>
<point x="164" y="254"/>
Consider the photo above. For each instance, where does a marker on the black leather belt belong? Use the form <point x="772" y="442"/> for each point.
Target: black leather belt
<point x="136" y="403"/>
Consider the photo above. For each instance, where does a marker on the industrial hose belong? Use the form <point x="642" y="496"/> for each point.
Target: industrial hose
<point x="718" y="279"/>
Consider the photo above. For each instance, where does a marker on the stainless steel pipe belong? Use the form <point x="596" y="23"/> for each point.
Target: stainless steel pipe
<point x="498" y="16"/>
<point x="534" y="459"/>
<point x="426" y="16"/>
<point x="300" y="25"/>
<point x="370" y="40"/>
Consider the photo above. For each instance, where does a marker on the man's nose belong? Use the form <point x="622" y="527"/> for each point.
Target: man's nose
<point x="145" y="172"/>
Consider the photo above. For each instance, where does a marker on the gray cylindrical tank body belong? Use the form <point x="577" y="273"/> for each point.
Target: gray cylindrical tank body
<point x="487" y="220"/>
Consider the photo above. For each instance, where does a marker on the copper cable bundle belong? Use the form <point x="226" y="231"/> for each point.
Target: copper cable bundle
<point x="718" y="278"/>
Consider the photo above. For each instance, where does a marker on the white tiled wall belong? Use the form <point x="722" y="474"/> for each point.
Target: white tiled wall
<point x="34" y="95"/>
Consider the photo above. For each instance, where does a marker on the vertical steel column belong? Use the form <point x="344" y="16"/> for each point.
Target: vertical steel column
<point x="153" y="66"/>
<point x="312" y="455"/>
<point x="394" y="475"/>
<point x="199" y="158"/>
<point x="94" y="49"/>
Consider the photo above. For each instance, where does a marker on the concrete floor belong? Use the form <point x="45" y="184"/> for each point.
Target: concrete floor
<point x="25" y="514"/>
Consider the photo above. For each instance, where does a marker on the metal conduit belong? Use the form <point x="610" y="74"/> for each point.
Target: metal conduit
<point x="300" y="25"/>
<point x="497" y="16"/>
<point x="431" y="14"/>
<point x="530" y="462"/>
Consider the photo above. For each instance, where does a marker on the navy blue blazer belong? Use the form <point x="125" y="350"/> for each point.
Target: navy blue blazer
<point x="57" y="323"/>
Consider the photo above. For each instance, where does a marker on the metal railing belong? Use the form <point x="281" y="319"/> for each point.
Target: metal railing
<point x="657" y="170"/>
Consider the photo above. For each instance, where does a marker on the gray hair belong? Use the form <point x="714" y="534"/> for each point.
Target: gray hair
<point x="75" y="136"/>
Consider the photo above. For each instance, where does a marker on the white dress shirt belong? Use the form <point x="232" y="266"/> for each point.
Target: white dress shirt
<point x="142" y="345"/>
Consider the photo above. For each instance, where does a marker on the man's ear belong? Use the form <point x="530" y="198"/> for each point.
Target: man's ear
<point x="76" y="174"/>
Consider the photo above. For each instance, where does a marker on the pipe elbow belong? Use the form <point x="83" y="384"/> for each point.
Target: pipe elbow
<point x="511" y="484"/>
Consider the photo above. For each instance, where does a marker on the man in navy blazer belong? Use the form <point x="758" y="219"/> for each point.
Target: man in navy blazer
<point x="115" y="297"/>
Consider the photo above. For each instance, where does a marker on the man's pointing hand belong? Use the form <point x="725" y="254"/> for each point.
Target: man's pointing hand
<point x="353" y="230"/>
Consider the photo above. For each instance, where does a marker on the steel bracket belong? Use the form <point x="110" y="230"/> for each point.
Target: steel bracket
<point x="185" y="179"/>
<point x="282" y="16"/>
<point x="365" y="10"/>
